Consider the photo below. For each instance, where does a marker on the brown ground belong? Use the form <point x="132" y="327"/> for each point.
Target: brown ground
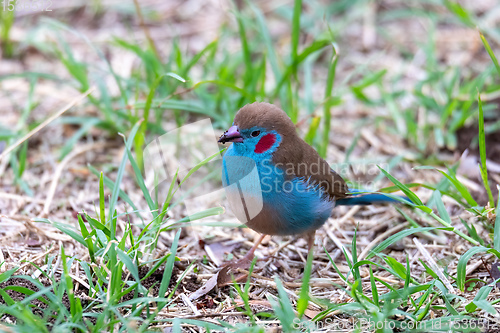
<point x="77" y="189"/>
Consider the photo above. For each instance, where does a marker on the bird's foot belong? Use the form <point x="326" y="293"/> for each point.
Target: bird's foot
<point x="233" y="270"/>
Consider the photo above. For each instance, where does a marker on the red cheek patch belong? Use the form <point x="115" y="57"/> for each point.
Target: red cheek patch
<point x="266" y="142"/>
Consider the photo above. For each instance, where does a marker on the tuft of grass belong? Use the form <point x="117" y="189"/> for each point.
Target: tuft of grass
<point x="411" y="304"/>
<point x="110" y="255"/>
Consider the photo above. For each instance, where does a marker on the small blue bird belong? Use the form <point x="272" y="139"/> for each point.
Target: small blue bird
<point x="278" y="183"/>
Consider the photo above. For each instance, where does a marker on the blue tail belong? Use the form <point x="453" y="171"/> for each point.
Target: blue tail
<point x="368" y="199"/>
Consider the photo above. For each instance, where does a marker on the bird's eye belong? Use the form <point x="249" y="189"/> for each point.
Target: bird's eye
<point x="255" y="134"/>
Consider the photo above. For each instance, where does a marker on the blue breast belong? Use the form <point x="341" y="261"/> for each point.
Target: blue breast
<point x="288" y="205"/>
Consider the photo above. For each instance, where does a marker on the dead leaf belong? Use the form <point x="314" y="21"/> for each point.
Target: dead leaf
<point x="223" y="277"/>
<point x="230" y="272"/>
<point x="495" y="272"/>
<point x="209" y="285"/>
<point x="206" y="303"/>
<point x="311" y="313"/>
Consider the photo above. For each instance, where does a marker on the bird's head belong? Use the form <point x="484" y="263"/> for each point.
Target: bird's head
<point x="259" y="128"/>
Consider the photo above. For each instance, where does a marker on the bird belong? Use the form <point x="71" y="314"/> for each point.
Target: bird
<point x="279" y="183"/>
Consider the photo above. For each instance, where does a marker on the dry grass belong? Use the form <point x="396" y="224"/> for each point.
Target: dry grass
<point x="62" y="188"/>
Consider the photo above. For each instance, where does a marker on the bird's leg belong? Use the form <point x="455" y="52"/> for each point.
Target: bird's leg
<point x="310" y="240"/>
<point x="310" y="253"/>
<point x="229" y="271"/>
<point x="250" y="254"/>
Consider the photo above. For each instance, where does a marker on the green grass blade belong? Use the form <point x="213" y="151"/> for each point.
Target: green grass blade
<point x="75" y="304"/>
<point x="355" y="269"/>
<point x="268" y="42"/>
<point x="443" y="213"/>
<point x="490" y="52"/>
<point x="7" y="299"/>
<point x="131" y="266"/>
<point x="313" y="128"/>
<point x="412" y="196"/>
<point x="121" y="170"/>
<point x="141" y="134"/>
<point x="102" y="199"/>
<point x="153" y="207"/>
<point x="110" y="184"/>
<point x="315" y="46"/>
<point x="88" y="240"/>
<point x="464" y="192"/>
<point x="328" y="104"/>
<point x="96" y="224"/>
<point x="396" y="237"/>
<point x="7" y="274"/>
<point x="85" y="128"/>
<point x="464" y="259"/>
<point x="283" y="309"/>
<point x="374" y="288"/>
<point x="209" y="48"/>
<point x="480" y="301"/>
<point x="496" y="232"/>
<point x="396" y="267"/>
<point x="342" y="276"/>
<point x="408" y="275"/>
<point x="169" y="266"/>
<point x="303" y="300"/>
<point x="22" y="159"/>
<point x="297" y="9"/>
<point x="460" y="12"/>
<point x="66" y="229"/>
<point x="482" y="152"/>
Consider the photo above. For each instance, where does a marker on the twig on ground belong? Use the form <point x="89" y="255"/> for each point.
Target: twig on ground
<point x="46" y="122"/>
<point x="60" y="168"/>
<point x="432" y="263"/>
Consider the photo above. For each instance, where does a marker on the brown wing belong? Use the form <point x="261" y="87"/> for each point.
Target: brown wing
<point x="301" y="160"/>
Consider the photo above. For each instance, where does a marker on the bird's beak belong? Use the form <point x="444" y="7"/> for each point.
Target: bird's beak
<point x="231" y="135"/>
